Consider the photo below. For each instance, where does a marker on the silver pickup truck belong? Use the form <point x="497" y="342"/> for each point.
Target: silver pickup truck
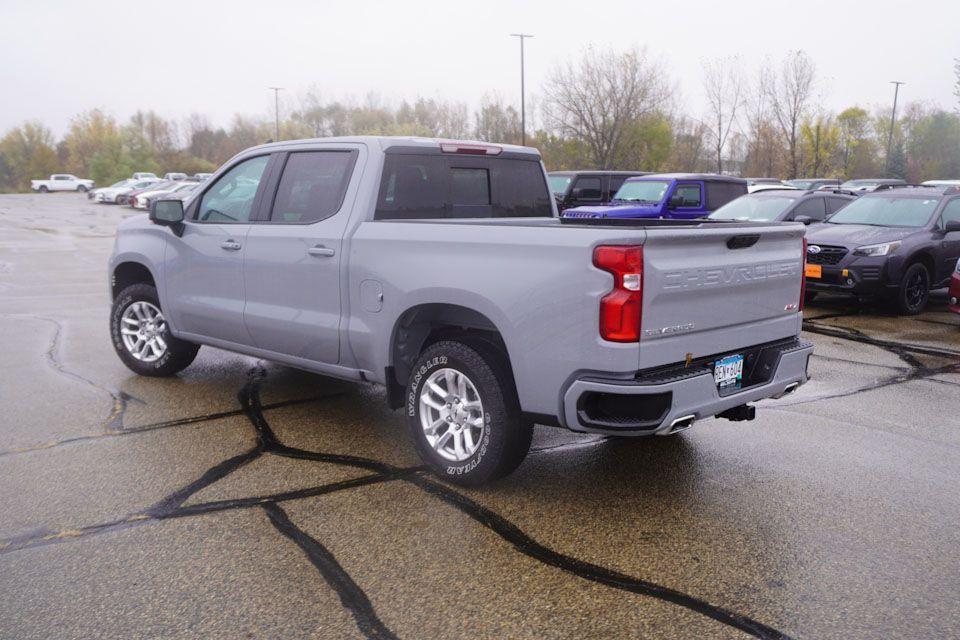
<point x="440" y="270"/>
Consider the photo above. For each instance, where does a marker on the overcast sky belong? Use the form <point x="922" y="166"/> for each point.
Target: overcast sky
<point x="218" y="58"/>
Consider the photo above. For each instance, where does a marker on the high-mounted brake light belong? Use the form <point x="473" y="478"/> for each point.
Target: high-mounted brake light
<point x="803" y="277"/>
<point x="471" y="149"/>
<point x="621" y="309"/>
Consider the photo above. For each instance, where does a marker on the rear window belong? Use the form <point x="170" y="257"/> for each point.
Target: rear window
<point x="421" y="186"/>
<point x="720" y="193"/>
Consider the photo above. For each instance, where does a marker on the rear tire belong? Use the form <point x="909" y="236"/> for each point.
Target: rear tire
<point x="43" y="189"/>
<point x="142" y="338"/>
<point x="914" y="291"/>
<point x="463" y="413"/>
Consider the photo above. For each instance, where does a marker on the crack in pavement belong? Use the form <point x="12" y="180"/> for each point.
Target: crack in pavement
<point x="355" y="600"/>
<point x="121" y="399"/>
<point x="905" y="351"/>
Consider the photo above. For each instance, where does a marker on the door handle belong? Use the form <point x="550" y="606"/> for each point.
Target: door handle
<point x="321" y="251"/>
<point x="230" y="245"/>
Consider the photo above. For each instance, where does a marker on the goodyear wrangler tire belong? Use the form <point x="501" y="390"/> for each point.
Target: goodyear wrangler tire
<point x="463" y="413"/>
<point x="141" y="337"/>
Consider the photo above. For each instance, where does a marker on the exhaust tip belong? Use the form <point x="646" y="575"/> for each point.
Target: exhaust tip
<point x="681" y="423"/>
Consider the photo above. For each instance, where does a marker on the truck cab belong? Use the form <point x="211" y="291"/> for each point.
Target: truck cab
<point x="678" y="196"/>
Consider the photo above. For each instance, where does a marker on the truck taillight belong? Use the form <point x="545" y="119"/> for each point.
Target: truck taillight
<point x="621" y="309"/>
<point x="803" y="277"/>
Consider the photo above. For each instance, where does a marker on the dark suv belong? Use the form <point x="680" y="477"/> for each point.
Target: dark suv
<point x="783" y="205"/>
<point x="579" y="188"/>
<point x="898" y="242"/>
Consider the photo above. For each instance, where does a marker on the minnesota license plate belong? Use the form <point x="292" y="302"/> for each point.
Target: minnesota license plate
<point x="728" y="372"/>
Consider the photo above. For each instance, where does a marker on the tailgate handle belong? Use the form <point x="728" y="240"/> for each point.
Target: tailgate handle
<point x="742" y="242"/>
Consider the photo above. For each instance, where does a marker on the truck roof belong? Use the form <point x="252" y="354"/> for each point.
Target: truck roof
<point x="387" y="142"/>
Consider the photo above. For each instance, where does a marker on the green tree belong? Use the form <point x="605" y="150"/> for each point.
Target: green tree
<point x="27" y="153"/>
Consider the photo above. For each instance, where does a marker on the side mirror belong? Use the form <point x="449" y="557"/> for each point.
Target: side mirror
<point x="804" y="219"/>
<point x="676" y="201"/>
<point x="952" y="225"/>
<point x="168" y="213"/>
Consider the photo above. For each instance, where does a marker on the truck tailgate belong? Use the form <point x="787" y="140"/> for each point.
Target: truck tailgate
<point x="713" y="289"/>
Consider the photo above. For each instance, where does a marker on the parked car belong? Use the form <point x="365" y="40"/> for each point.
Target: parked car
<point x="871" y="184"/>
<point x="782" y="205"/>
<point x="62" y="182"/>
<point x="110" y="194"/>
<point x="145" y="198"/>
<point x="578" y="188"/>
<point x="175" y="176"/>
<point x="667" y="195"/>
<point x="601" y="326"/>
<point x="812" y="183"/>
<point x="143" y="175"/>
<point x="940" y="183"/>
<point x="127" y="198"/>
<point x="954" y="292"/>
<point x="899" y="243"/>
<point x="92" y="193"/>
<point x="201" y="176"/>
<point x="767" y="186"/>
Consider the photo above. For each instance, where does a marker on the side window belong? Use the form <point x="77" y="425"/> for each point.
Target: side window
<point x="813" y="207"/>
<point x="312" y="186"/>
<point x="61" y="177"/>
<point x="230" y="198"/>
<point x="587" y="189"/>
<point x="950" y="212"/>
<point x="519" y="189"/>
<point x="835" y="204"/>
<point x="688" y="195"/>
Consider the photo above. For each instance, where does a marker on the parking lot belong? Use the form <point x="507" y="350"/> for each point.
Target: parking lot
<point x="247" y="499"/>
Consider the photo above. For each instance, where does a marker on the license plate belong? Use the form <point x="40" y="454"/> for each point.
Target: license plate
<point x="728" y="372"/>
<point x="813" y="271"/>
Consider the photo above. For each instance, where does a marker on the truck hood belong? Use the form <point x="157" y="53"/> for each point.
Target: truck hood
<point x="615" y="211"/>
<point x="855" y="235"/>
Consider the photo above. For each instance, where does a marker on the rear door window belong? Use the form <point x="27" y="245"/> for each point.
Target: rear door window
<point x="312" y="186"/>
<point x="814" y="208"/>
<point x="835" y="204"/>
<point x="721" y="192"/>
<point x="424" y="186"/>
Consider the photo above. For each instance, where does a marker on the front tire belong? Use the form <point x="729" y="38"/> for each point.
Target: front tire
<point x="914" y="291"/>
<point x="141" y="336"/>
<point x="81" y="188"/>
<point x="463" y="413"/>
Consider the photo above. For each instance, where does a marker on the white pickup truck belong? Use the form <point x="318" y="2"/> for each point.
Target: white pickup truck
<point x="62" y="182"/>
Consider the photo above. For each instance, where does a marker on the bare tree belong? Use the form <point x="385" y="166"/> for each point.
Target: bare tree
<point x="598" y="97"/>
<point x="723" y="85"/>
<point x="790" y="93"/>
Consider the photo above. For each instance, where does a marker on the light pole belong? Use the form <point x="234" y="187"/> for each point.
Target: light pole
<point x="893" y="119"/>
<point x="523" y="98"/>
<point x="276" y="111"/>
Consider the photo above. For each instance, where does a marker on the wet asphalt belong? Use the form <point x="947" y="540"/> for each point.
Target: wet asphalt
<point x="244" y="499"/>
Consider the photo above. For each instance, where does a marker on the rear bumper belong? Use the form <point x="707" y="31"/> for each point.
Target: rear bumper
<point x="651" y="403"/>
